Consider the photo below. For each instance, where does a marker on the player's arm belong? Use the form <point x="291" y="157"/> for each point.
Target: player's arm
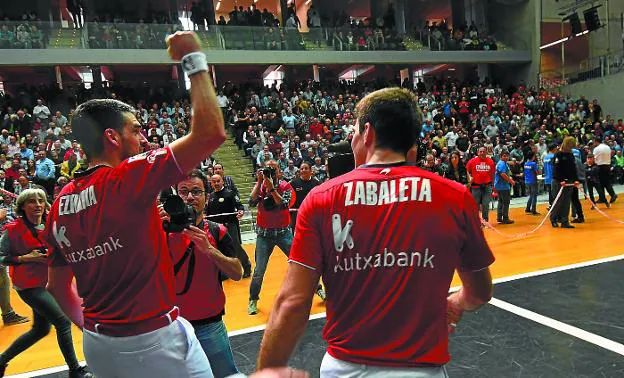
<point x="62" y="288"/>
<point x="207" y="132"/>
<point x="476" y="290"/>
<point x="289" y="316"/>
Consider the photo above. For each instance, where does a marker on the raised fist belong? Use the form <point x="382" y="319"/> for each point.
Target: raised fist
<point x="182" y="43"/>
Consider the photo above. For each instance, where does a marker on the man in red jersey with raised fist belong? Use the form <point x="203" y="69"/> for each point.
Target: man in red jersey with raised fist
<point x="481" y="170"/>
<point x="105" y="231"/>
<point x="386" y="238"/>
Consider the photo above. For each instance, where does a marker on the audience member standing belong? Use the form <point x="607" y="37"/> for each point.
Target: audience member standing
<point x="503" y="183"/>
<point x="564" y="175"/>
<point x="602" y="156"/>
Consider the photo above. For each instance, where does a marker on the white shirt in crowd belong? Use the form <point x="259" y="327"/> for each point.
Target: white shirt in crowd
<point x="602" y="154"/>
<point x="42" y="112"/>
<point x="222" y="101"/>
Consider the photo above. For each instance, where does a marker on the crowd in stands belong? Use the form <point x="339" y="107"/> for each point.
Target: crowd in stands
<point x="296" y="123"/>
<point x="25" y="32"/>
<point x="442" y="37"/>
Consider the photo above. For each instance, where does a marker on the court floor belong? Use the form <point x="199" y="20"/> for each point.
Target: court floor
<point x="556" y="312"/>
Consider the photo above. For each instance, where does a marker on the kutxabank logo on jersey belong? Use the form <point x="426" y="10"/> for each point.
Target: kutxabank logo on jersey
<point x="347" y="261"/>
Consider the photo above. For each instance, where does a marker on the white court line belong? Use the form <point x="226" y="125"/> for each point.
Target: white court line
<point x="559" y="326"/>
<point x="244" y="331"/>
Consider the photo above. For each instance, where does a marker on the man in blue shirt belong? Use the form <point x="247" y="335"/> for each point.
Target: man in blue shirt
<point x="27" y="153"/>
<point x="530" y="180"/>
<point x="44" y="173"/>
<point x="548" y="171"/>
<point x="503" y="183"/>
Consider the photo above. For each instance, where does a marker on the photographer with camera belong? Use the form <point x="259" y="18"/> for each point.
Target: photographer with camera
<point x="202" y="250"/>
<point x="225" y="201"/>
<point x="273" y="197"/>
<point x="105" y="231"/>
<point x="23" y="249"/>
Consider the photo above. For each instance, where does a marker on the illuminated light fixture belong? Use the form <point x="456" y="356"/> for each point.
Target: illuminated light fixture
<point x="218" y="5"/>
<point x="562" y="40"/>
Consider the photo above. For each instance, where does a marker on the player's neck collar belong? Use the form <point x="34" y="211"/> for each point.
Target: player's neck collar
<point x="387" y="165"/>
<point x="90" y="170"/>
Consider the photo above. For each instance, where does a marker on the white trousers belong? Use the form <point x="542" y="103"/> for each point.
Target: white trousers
<point x="334" y="368"/>
<point x="169" y="352"/>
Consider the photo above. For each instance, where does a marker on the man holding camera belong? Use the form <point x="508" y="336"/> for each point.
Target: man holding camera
<point x="225" y="201"/>
<point x="201" y="253"/>
<point x="273" y="197"/>
<point x="104" y="229"/>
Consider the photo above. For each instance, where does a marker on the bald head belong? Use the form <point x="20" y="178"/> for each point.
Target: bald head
<point x="217" y="182"/>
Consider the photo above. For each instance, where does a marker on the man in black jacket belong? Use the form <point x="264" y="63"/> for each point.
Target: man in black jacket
<point x="225" y="201"/>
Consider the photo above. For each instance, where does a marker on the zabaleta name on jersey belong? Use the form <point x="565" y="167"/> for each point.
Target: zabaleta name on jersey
<point x="377" y="193"/>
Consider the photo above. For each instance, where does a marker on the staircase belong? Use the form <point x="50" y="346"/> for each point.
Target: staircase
<point x="239" y="167"/>
<point x="65" y="39"/>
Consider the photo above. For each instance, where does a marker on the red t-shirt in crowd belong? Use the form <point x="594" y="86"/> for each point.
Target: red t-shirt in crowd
<point x="387" y="240"/>
<point x="279" y="217"/>
<point x="316" y="129"/>
<point x="481" y="170"/>
<point x="105" y="226"/>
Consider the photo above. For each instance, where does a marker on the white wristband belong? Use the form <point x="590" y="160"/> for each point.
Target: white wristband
<point x="194" y="62"/>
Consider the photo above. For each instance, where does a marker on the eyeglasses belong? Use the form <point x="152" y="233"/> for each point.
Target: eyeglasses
<point x="194" y="192"/>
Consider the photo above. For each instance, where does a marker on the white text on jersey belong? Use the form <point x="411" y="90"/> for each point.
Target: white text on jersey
<point x="385" y="259"/>
<point x="93" y="252"/>
<point x="73" y="203"/>
<point x="377" y="193"/>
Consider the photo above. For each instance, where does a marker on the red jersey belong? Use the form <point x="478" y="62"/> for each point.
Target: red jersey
<point x="198" y="286"/>
<point x="387" y="240"/>
<point x="105" y="225"/>
<point x="482" y="171"/>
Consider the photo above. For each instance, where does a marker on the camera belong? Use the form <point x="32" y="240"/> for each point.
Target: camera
<point x="181" y="215"/>
<point x="270" y="173"/>
<point x="341" y="159"/>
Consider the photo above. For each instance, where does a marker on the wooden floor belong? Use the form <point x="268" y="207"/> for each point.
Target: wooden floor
<point x="547" y="248"/>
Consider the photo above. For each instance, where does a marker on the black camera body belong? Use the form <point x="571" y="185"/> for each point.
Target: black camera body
<point x="181" y="215"/>
<point x="270" y="173"/>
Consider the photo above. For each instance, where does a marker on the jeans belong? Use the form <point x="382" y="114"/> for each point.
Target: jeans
<point x="5" y="292"/>
<point x="482" y="196"/>
<point x="548" y="189"/>
<point x="334" y="368"/>
<point x="46" y="311"/>
<point x="214" y="341"/>
<point x="264" y="249"/>
<point x="171" y="351"/>
<point x="532" y="202"/>
<point x="504" y="197"/>
<point x="561" y="209"/>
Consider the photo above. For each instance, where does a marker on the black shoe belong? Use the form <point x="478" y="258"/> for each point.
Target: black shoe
<point x="13" y="318"/>
<point x="81" y="372"/>
<point x="578" y="220"/>
<point x="566" y="225"/>
<point x="508" y="221"/>
<point x="535" y="213"/>
<point x="499" y="221"/>
<point x="527" y="211"/>
<point x="554" y="224"/>
<point x="613" y="199"/>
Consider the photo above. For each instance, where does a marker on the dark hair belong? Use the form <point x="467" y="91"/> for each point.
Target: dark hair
<point x="306" y="163"/>
<point x="394" y="115"/>
<point x="90" y="120"/>
<point x="551" y="146"/>
<point x="196" y="173"/>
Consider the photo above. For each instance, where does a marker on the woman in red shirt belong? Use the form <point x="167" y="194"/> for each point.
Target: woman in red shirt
<point x="23" y="249"/>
